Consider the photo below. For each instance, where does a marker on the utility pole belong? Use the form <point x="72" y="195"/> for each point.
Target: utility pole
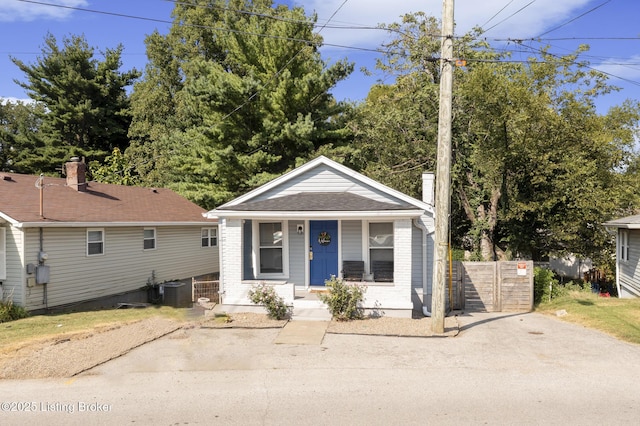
<point x="443" y="172"/>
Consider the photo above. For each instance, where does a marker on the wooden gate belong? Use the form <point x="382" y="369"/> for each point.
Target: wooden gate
<point x="494" y="286"/>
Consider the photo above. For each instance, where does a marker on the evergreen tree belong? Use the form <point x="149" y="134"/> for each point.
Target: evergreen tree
<point x="20" y="147"/>
<point x="233" y="96"/>
<point x="85" y="103"/>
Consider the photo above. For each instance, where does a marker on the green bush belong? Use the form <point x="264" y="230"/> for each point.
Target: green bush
<point x="344" y="300"/>
<point x="263" y="294"/>
<point x="544" y="285"/>
<point x="11" y="312"/>
<point x="547" y="287"/>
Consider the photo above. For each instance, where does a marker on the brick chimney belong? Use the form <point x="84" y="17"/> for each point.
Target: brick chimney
<point x="76" y="174"/>
<point x="428" y="184"/>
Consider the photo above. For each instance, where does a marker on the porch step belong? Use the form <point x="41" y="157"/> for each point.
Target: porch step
<point x="310" y="310"/>
<point x="301" y="314"/>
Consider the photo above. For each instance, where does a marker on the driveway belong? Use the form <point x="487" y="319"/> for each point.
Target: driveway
<point x="500" y="369"/>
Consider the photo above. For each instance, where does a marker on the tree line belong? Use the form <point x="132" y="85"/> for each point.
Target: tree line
<point x="215" y="113"/>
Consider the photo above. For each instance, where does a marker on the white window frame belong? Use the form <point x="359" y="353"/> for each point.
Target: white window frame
<point x="624" y="245"/>
<point x="211" y="237"/>
<point x="366" y="244"/>
<point x="102" y="241"/>
<point x="145" y="239"/>
<point x="285" y="249"/>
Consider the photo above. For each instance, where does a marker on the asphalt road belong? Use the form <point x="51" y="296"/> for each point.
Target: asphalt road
<point x="500" y="369"/>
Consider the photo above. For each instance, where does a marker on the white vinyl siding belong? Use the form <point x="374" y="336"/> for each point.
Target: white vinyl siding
<point x="95" y="242"/>
<point x="123" y="267"/>
<point x="628" y="271"/>
<point x="351" y="240"/>
<point x="149" y="239"/>
<point x="323" y="179"/>
<point x="297" y="254"/>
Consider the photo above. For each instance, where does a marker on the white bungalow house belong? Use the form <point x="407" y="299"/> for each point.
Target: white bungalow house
<point x="627" y="255"/>
<point x="321" y="220"/>
<point x="66" y="241"/>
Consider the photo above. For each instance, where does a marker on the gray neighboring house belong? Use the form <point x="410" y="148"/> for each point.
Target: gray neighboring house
<point x="627" y="255"/>
<point x="324" y="219"/>
<point x="65" y="241"/>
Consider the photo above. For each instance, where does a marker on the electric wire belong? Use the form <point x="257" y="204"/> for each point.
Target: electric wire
<point x="573" y="19"/>
<point x="510" y="16"/>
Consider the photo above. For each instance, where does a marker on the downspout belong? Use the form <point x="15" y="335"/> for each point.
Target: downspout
<point x="45" y="300"/>
<point x="425" y="232"/>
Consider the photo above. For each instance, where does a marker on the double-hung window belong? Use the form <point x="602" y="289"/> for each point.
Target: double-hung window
<point x="381" y="250"/>
<point x="271" y="248"/>
<point x="209" y="237"/>
<point x="149" y="238"/>
<point x="95" y="242"/>
<point x="624" y="245"/>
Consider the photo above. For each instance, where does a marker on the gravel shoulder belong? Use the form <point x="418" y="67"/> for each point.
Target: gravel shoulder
<point x="69" y="355"/>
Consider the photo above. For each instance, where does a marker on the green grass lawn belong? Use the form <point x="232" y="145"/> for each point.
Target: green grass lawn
<point x="18" y="333"/>
<point x="617" y="317"/>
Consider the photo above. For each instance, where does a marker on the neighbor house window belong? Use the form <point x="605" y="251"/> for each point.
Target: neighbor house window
<point x="270" y="248"/>
<point x="381" y="250"/>
<point x="209" y="237"/>
<point x="149" y="238"/>
<point x="95" y="241"/>
<point x="624" y="245"/>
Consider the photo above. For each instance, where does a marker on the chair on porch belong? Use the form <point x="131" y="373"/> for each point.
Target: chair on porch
<point x="352" y="270"/>
<point x="382" y="270"/>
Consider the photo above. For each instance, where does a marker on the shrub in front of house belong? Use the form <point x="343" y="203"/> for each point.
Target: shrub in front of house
<point x="266" y="295"/>
<point x="344" y="300"/>
<point x="11" y="312"/>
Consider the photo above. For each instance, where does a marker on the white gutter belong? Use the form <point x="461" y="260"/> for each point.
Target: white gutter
<point x="425" y="284"/>
<point x="312" y="214"/>
<point x="105" y="224"/>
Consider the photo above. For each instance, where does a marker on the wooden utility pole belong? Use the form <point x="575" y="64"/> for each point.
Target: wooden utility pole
<point x="443" y="172"/>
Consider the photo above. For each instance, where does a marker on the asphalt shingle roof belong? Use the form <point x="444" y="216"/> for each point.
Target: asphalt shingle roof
<point x="319" y="201"/>
<point x="20" y="200"/>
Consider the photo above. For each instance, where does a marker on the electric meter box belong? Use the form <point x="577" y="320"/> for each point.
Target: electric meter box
<point x="42" y="274"/>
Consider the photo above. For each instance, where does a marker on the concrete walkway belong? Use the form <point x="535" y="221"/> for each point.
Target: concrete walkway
<point x="302" y="333"/>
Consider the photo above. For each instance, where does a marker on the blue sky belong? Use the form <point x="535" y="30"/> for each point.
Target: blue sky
<point x="603" y="24"/>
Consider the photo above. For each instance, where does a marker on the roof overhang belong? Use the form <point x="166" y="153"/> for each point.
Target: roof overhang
<point x="106" y="224"/>
<point x="376" y="214"/>
<point x="622" y="225"/>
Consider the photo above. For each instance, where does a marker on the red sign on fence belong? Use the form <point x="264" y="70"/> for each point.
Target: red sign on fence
<point x="522" y="268"/>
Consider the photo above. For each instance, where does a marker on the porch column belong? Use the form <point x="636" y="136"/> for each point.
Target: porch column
<point x="231" y="259"/>
<point x="402" y="257"/>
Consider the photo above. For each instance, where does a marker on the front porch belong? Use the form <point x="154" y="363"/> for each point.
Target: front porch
<point x="308" y="306"/>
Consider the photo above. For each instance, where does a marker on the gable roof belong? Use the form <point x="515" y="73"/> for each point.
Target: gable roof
<point x="322" y="203"/>
<point x="629" y="222"/>
<point x="101" y="204"/>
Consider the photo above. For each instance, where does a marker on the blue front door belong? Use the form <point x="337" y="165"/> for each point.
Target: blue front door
<point x="323" y="259"/>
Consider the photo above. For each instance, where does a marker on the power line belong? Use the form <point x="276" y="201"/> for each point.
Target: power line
<point x="497" y="13"/>
<point x="510" y="16"/>
<point x="574" y="19"/>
